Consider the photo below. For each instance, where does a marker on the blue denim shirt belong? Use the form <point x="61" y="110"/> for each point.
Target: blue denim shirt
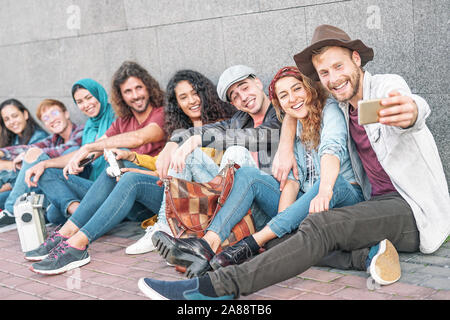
<point x="9" y="176"/>
<point x="333" y="140"/>
<point x="37" y="136"/>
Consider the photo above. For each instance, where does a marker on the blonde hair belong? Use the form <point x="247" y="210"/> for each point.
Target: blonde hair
<point x="47" y="103"/>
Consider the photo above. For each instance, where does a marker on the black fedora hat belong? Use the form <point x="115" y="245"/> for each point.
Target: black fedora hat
<point x="326" y="35"/>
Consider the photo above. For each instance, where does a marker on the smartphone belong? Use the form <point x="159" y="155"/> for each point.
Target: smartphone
<point x="368" y="111"/>
<point x="85" y="162"/>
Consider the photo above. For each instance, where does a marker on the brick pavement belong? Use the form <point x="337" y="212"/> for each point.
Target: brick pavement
<point x="113" y="275"/>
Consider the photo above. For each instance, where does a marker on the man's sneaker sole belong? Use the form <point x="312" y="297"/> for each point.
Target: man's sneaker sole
<point x="149" y="292"/>
<point x="385" y="266"/>
<point x="68" y="267"/>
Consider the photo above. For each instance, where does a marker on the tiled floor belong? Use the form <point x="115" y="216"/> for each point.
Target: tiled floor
<point x="113" y="275"/>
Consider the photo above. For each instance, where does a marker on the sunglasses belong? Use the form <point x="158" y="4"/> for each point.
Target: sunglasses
<point x="53" y="113"/>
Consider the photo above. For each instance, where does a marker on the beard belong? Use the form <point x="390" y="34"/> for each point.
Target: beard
<point x="353" y="80"/>
<point x="141" y="109"/>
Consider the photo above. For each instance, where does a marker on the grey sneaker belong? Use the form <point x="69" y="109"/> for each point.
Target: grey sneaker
<point x="45" y="248"/>
<point x="63" y="258"/>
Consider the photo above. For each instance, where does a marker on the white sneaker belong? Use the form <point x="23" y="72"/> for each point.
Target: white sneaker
<point x="145" y="244"/>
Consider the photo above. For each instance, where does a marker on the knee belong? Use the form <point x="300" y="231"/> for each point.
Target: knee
<point x="32" y="155"/>
<point x="247" y="174"/>
<point x="129" y="179"/>
<point x="235" y="153"/>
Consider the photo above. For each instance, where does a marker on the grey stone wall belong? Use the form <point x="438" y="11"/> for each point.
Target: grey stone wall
<point x="46" y="45"/>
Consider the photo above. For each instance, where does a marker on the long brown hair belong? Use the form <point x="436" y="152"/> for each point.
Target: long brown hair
<point x="316" y="97"/>
<point x="213" y="109"/>
<point x="132" y="69"/>
<point x="6" y="136"/>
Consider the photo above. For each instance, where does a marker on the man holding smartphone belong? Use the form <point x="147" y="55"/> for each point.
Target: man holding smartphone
<point x="396" y="162"/>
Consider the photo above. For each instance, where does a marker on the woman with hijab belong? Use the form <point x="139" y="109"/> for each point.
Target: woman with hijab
<point x="91" y="98"/>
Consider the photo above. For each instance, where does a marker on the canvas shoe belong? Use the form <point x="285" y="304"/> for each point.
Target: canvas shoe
<point x="145" y="244"/>
<point x="175" y="290"/>
<point x="384" y="266"/>
<point x="45" y="248"/>
<point x="6" y="218"/>
<point x="61" y="259"/>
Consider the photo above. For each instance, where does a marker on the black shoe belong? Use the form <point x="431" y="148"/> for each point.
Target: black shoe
<point x="236" y="254"/>
<point x="6" y="219"/>
<point x="193" y="253"/>
<point x="164" y="244"/>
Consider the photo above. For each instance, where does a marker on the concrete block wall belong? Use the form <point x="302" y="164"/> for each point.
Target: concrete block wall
<point x="47" y="45"/>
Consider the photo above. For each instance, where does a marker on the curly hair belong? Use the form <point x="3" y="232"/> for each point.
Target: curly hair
<point x="213" y="109"/>
<point x="6" y="136"/>
<point x="316" y="97"/>
<point x="132" y="69"/>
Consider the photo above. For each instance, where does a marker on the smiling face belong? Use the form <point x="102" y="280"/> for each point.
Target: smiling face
<point x="247" y="95"/>
<point x="188" y="100"/>
<point x="87" y="103"/>
<point x="291" y="95"/>
<point x="135" y="94"/>
<point x="54" y="119"/>
<point x="14" y="119"/>
<point x="339" y="72"/>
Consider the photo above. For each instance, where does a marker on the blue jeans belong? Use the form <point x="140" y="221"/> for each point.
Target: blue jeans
<point x="20" y="187"/>
<point x="201" y="168"/>
<point x="136" y="196"/>
<point x="62" y="193"/>
<point x="3" y="196"/>
<point x="344" y="194"/>
<point x="252" y="185"/>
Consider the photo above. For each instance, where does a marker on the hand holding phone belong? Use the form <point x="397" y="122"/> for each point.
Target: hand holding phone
<point x="85" y="162"/>
<point x="114" y="165"/>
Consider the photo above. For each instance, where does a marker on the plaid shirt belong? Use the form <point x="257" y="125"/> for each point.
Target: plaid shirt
<point x="54" y="145"/>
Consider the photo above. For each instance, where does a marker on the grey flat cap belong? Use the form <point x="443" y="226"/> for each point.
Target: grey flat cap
<point x="231" y="76"/>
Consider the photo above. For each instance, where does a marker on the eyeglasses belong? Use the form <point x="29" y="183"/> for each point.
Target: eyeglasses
<point x="47" y="117"/>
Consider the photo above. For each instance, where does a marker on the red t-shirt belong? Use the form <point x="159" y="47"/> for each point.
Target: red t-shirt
<point x="128" y="124"/>
<point x="380" y="181"/>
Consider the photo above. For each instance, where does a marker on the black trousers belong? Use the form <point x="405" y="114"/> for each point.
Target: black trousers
<point x="339" y="238"/>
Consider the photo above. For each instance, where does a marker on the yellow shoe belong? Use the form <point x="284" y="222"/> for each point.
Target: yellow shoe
<point x="149" y="222"/>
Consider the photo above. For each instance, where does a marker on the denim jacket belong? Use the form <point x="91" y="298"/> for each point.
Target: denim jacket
<point x="333" y="140"/>
<point x="410" y="158"/>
